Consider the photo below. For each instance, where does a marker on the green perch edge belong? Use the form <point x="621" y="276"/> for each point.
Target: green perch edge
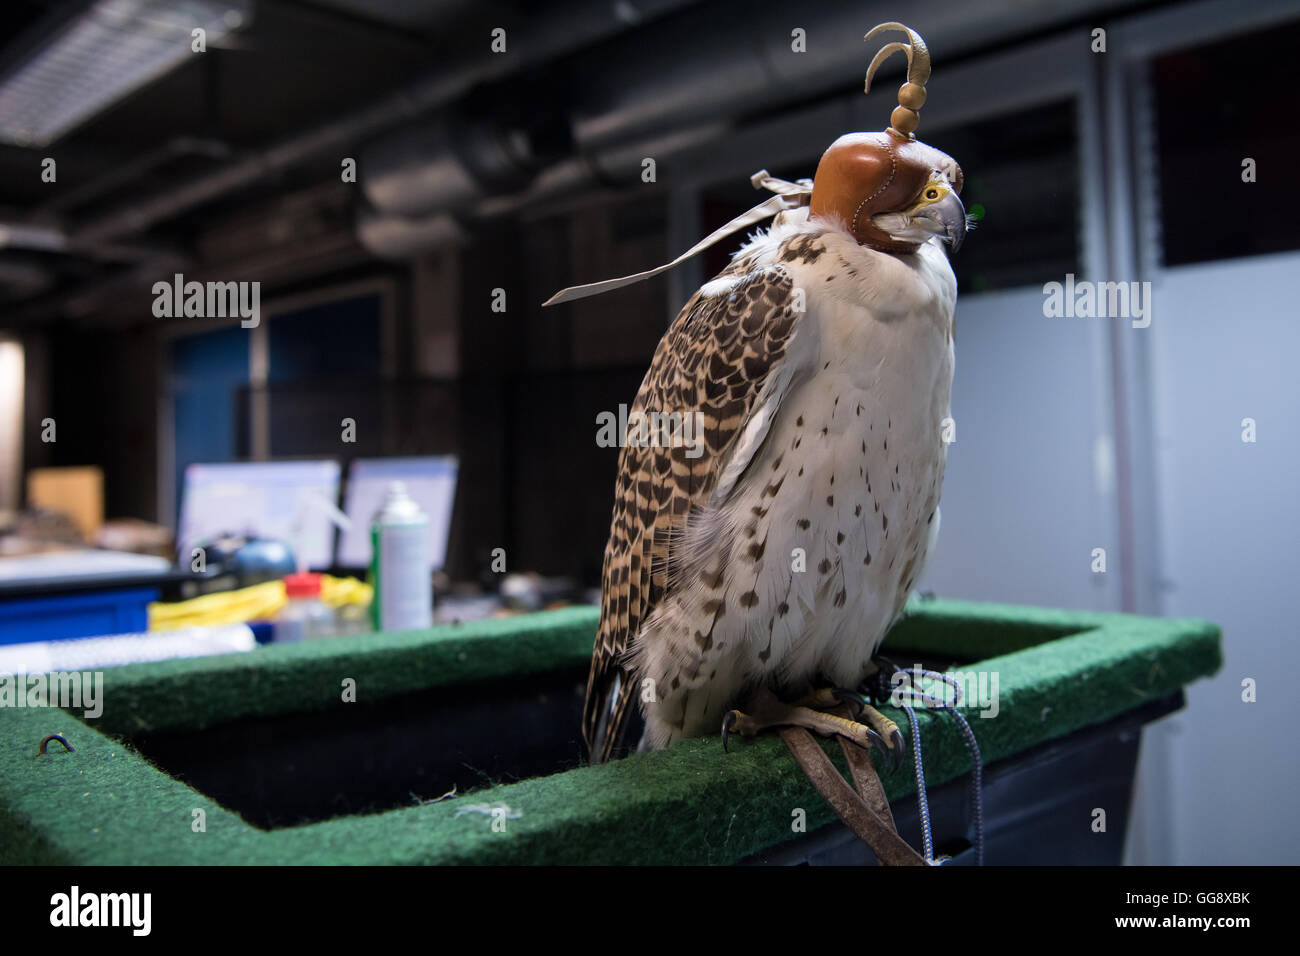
<point x="1058" y="671"/>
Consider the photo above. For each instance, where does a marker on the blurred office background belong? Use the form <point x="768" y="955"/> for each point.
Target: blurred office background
<point x="484" y="177"/>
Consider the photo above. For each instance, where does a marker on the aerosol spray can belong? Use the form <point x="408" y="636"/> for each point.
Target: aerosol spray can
<point x="399" y="564"/>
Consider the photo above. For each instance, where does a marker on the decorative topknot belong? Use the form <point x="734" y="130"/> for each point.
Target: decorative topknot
<point x="911" y="95"/>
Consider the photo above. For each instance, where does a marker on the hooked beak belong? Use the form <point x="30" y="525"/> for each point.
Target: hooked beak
<point x="947" y="218"/>
<point x="944" y="217"/>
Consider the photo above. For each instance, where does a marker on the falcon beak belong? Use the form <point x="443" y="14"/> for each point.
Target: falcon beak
<point x="939" y="213"/>
<point x="947" y="218"/>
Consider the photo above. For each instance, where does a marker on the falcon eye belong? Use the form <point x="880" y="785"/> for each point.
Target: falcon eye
<point x="932" y="193"/>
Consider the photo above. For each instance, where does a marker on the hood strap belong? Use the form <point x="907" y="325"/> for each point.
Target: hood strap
<point x="788" y="196"/>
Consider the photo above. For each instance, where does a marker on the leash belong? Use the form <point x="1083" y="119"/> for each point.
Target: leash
<point x="866" y="811"/>
<point x="907" y="696"/>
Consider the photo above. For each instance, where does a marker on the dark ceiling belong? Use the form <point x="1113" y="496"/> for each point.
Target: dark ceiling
<point x="229" y="162"/>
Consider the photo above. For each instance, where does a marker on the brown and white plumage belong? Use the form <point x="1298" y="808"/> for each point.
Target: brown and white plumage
<point x="823" y="437"/>
<point x="820" y="363"/>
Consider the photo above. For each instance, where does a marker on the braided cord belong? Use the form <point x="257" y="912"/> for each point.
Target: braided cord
<point x="912" y="693"/>
<point x="922" y="800"/>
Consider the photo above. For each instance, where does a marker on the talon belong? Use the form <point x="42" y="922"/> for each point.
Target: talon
<point x="844" y="696"/>
<point x="728" y="722"/>
<point x="892" y="752"/>
<point x="887" y="739"/>
<point x="877" y="742"/>
<point x="869" y="728"/>
<point x="896" y="750"/>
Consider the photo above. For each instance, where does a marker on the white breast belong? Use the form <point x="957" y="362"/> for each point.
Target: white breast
<point x="865" y="429"/>
<point x="831" y="523"/>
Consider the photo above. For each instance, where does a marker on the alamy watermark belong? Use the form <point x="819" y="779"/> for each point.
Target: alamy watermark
<point x="641" y="429"/>
<point x="131" y="911"/>
<point x="977" y="689"/>
<point x="208" y="300"/>
<point x="1098" y="300"/>
<point x="69" y="690"/>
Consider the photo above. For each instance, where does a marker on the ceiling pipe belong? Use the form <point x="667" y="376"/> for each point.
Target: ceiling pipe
<point x="33" y="238"/>
<point x="399" y="237"/>
<point x="393" y="236"/>
<point x="24" y="277"/>
<point x="529" y="44"/>
<point x="131" y="170"/>
<point x="672" y="79"/>
<point x="446" y="165"/>
<point x="670" y="74"/>
<point x="694" y="68"/>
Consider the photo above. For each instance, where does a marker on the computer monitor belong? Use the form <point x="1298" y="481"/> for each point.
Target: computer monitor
<point x="273" y="499"/>
<point x="430" y="480"/>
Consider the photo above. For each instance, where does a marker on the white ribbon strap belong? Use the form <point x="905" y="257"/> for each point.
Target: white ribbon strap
<point x="788" y="196"/>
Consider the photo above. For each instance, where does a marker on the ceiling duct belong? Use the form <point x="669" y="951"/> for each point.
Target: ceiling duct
<point x="696" y="67"/>
<point x="395" y="236"/>
<point x="487" y="146"/>
<point x="535" y="42"/>
<point x="23" y="277"/>
<point x="399" y="237"/>
<point x="695" y="70"/>
<point x="670" y="88"/>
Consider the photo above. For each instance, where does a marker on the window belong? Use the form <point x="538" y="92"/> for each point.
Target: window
<point x="1216" y="106"/>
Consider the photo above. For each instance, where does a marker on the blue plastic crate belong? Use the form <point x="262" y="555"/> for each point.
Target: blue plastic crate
<point x="79" y="614"/>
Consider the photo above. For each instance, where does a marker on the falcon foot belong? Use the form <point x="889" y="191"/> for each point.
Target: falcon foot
<point x="888" y="738"/>
<point x="814" y="713"/>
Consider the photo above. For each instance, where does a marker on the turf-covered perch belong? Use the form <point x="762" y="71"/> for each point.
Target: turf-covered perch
<point x="272" y="728"/>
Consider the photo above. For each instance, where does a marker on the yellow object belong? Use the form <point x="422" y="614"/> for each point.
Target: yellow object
<point x="259" y="602"/>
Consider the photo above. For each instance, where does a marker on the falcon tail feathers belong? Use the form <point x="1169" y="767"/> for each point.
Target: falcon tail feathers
<point x="605" y="719"/>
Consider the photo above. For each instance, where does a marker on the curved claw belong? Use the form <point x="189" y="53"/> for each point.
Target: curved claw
<point x="877" y="742"/>
<point x="851" y="697"/>
<point x="728" y="722"/>
<point x="896" y="750"/>
<point x="892" y="751"/>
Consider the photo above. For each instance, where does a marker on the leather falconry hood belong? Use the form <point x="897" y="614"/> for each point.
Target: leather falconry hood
<point x="862" y="174"/>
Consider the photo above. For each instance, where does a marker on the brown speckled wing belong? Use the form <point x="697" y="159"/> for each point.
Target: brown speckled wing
<point x="715" y="360"/>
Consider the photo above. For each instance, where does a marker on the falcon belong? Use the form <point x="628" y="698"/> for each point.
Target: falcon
<point x="760" y="567"/>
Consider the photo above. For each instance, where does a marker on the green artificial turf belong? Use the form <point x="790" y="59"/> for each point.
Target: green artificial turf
<point x="1058" y="671"/>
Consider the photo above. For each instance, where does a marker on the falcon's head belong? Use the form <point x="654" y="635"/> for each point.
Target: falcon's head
<point x="891" y="191"/>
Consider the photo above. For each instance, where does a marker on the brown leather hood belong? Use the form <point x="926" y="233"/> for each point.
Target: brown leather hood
<point x="867" y="173"/>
